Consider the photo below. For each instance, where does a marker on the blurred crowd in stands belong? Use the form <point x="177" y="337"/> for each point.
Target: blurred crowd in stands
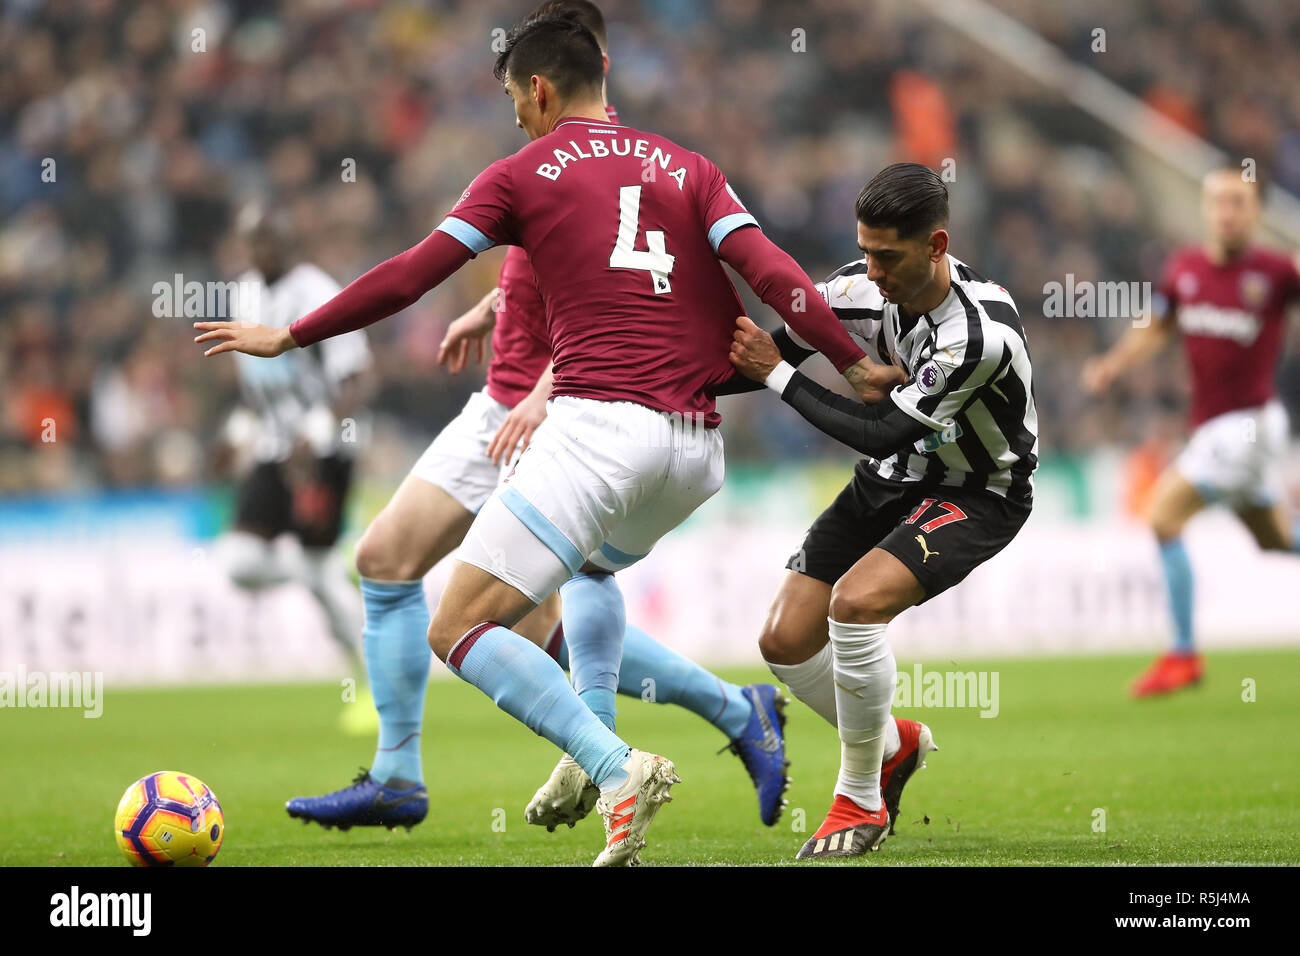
<point x="132" y="133"/>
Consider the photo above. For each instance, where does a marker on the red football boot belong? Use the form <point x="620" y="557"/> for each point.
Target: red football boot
<point x="848" y="830"/>
<point x="915" y="741"/>
<point x="1170" y="672"/>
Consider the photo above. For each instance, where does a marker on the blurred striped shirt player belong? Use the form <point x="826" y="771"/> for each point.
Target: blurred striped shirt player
<point x="290" y="395"/>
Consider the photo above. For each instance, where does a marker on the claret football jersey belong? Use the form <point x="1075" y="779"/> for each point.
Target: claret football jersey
<point x="1232" y="317"/>
<point x="622" y="228"/>
<point x="521" y="348"/>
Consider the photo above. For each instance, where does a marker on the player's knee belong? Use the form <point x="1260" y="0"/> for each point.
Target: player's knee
<point x="1171" y="510"/>
<point x="441" y="639"/>
<point x="778" y="645"/>
<point x="1166" y="527"/>
<point x="378" y="560"/>
<point x="862" y="604"/>
<point x="787" y="640"/>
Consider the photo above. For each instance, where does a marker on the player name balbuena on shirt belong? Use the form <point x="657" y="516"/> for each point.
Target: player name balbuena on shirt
<point x="971" y="380"/>
<point x="623" y="229"/>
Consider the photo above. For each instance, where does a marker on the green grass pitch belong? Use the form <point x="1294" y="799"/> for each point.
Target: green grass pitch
<point x="1202" y="777"/>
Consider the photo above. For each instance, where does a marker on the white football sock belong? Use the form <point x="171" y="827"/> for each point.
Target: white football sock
<point x="251" y="561"/>
<point x="865" y="683"/>
<point x="811" y="682"/>
<point x="618" y="777"/>
<point x="892" y="741"/>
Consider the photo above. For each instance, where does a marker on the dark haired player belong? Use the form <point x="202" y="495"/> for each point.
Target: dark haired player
<point x="296" y="416"/>
<point x="427" y="519"/>
<point x="625" y="230"/>
<point x="1228" y="298"/>
<point x="946" y="484"/>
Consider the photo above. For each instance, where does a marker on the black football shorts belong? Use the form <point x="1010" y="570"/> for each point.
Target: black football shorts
<point x="940" y="532"/>
<point x="269" y="502"/>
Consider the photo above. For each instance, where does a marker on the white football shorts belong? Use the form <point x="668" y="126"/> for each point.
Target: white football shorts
<point x="457" y="461"/>
<point x="600" y="482"/>
<point x="1235" y="458"/>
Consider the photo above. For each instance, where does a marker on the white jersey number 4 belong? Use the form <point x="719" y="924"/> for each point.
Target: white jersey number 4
<point x="654" y="258"/>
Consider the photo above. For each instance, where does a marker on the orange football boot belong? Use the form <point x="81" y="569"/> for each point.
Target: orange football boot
<point x="915" y="741"/>
<point x="1170" y="672"/>
<point x="848" y="830"/>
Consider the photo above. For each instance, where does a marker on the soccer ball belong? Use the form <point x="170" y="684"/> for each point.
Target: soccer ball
<point x="169" y="819"/>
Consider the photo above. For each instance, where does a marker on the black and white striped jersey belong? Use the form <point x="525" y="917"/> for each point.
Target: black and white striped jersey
<point x="286" y="393"/>
<point x="970" y="380"/>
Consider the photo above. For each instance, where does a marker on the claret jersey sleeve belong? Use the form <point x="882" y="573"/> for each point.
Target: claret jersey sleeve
<point x="721" y="211"/>
<point x="483" y="216"/>
<point x="1165" y="301"/>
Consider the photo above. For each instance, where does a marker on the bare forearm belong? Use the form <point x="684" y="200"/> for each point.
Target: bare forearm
<point x="485" y="310"/>
<point x="1139" y="345"/>
<point x="545" y="383"/>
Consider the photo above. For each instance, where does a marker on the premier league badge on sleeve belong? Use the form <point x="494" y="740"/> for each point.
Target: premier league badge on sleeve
<point x="930" y="378"/>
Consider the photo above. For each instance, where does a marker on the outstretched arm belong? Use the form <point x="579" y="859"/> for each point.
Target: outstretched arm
<point x="878" y="430"/>
<point x="1137" y="346"/>
<point x="781" y="284"/>
<point x="387" y="288"/>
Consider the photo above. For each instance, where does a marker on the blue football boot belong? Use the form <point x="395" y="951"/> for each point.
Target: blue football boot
<point x="367" y="803"/>
<point x="761" y="748"/>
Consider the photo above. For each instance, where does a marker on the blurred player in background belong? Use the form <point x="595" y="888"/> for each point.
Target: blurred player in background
<point x="630" y="446"/>
<point x="946" y="484"/>
<point x="1228" y="298"/>
<point x="427" y="519"/>
<point x="302" y="421"/>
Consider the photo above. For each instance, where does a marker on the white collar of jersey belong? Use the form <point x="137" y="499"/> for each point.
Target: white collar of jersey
<point x="587" y="122"/>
